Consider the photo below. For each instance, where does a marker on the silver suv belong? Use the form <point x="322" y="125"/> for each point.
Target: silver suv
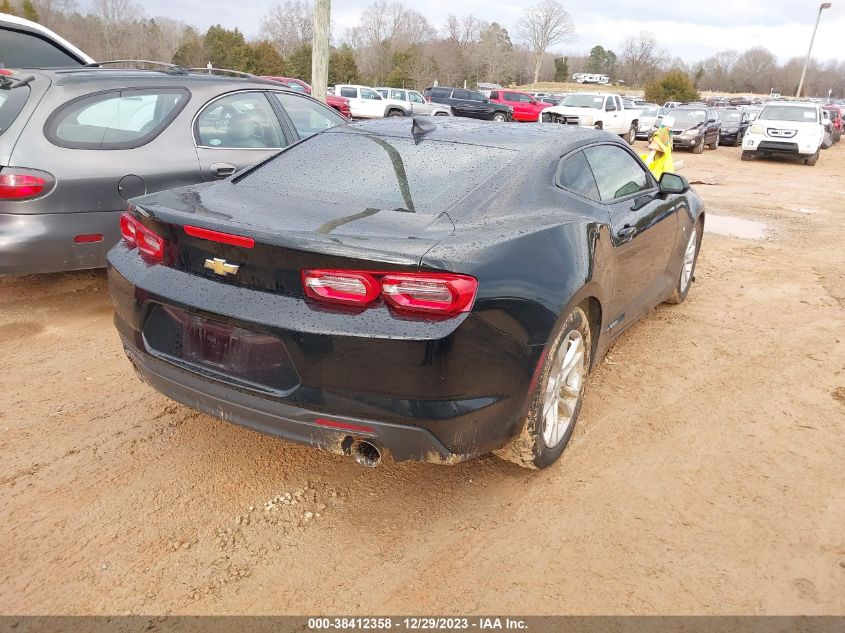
<point x="77" y="143"/>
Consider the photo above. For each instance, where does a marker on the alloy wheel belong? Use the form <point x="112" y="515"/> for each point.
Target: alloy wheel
<point x="689" y="260"/>
<point x="564" y="388"/>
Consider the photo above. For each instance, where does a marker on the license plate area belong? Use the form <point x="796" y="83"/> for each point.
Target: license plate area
<point x="252" y="359"/>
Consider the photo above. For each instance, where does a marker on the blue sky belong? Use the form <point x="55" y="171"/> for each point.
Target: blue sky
<point x="688" y="29"/>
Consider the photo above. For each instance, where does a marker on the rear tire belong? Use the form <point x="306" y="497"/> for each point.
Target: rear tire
<point x="687" y="273"/>
<point x="556" y="401"/>
<point x="632" y="134"/>
<point x="440" y="114"/>
<point x="395" y="113"/>
<point x="699" y="147"/>
<point x="499" y="117"/>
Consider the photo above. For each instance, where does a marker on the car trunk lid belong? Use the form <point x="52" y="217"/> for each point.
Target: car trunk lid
<point x="287" y="234"/>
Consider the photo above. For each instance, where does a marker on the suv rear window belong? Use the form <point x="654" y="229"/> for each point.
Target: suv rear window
<point x="363" y="171"/>
<point x="440" y="93"/>
<point x="11" y="104"/>
<point x="116" y="119"/>
<point x="30" y="50"/>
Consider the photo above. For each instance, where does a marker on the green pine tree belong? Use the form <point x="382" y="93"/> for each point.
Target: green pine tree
<point x="29" y="11"/>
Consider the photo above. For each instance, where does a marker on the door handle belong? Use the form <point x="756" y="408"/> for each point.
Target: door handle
<point x="221" y="170"/>
<point x="626" y="233"/>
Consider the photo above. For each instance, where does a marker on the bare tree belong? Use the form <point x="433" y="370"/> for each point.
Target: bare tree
<point x="641" y="58"/>
<point x="544" y="25"/>
<point x="290" y="25"/>
<point x="117" y="18"/>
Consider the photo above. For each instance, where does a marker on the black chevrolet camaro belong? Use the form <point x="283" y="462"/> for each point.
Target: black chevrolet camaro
<point x="423" y="289"/>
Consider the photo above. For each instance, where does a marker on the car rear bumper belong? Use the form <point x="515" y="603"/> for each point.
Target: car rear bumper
<point x="287" y="421"/>
<point x="433" y="392"/>
<point x="44" y="243"/>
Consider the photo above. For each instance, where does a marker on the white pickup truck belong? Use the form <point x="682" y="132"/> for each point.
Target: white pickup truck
<point x="366" y="103"/>
<point x="600" y="110"/>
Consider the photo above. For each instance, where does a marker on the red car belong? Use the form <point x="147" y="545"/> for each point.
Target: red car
<point x="341" y="104"/>
<point x="524" y="106"/>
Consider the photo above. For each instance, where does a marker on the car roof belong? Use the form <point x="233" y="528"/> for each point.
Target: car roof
<point x="538" y="136"/>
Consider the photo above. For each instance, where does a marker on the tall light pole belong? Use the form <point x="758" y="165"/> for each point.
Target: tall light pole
<point x="320" y="49"/>
<point x="822" y="7"/>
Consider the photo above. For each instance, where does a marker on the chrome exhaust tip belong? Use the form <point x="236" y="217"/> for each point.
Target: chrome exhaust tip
<point x="366" y="454"/>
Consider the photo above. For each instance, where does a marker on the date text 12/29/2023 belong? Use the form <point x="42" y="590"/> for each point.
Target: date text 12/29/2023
<point x="425" y="623"/>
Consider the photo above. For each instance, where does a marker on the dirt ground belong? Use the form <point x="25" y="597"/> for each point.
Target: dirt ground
<point x="706" y="474"/>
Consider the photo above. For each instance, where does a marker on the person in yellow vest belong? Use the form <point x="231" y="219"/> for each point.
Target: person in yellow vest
<point x="659" y="157"/>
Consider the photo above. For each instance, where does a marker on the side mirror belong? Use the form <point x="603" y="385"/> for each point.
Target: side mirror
<point x="673" y="183"/>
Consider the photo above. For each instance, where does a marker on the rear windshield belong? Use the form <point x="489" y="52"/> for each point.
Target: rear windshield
<point x="730" y="117"/>
<point x="29" y="50"/>
<point x="11" y="104"/>
<point x="688" y="118"/>
<point x="788" y="113"/>
<point x="369" y="171"/>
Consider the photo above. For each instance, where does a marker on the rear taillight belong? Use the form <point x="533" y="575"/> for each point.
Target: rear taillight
<point x="149" y="244"/>
<point x="20" y="185"/>
<point x="443" y="294"/>
<point x="341" y="286"/>
<point x="433" y="293"/>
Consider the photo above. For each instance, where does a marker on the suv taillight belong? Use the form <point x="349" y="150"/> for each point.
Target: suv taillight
<point x="149" y="244"/>
<point x="24" y="184"/>
<point x="443" y="294"/>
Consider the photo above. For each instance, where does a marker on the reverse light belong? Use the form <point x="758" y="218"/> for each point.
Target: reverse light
<point x="149" y="244"/>
<point x="444" y="294"/>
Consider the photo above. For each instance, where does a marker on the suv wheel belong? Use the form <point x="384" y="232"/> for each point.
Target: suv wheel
<point x="499" y="117"/>
<point x="715" y="144"/>
<point x="631" y="136"/>
<point x="812" y="160"/>
<point x="746" y="156"/>
<point x="699" y="147"/>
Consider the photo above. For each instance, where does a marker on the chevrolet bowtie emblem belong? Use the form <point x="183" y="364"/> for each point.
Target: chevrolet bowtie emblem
<point x="221" y="266"/>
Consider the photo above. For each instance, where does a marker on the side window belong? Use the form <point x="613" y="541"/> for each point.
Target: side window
<point x="416" y="97"/>
<point x="117" y="119"/>
<point x="494" y="95"/>
<point x="240" y="120"/>
<point x="477" y="96"/>
<point x="617" y="173"/>
<point x="349" y="93"/>
<point x="461" y="94"/>
<point x="382" y="92"/>
<point x="575" y="174"/>
<point x="400" y="95"/>
<point x="510" y="96"/>
<point x="366" y="93"/>
<point x="609" y="106"/>
<point x="308" y="116"/>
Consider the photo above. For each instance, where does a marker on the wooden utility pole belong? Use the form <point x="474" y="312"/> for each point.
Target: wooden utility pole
<point x="320" y="49"/>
